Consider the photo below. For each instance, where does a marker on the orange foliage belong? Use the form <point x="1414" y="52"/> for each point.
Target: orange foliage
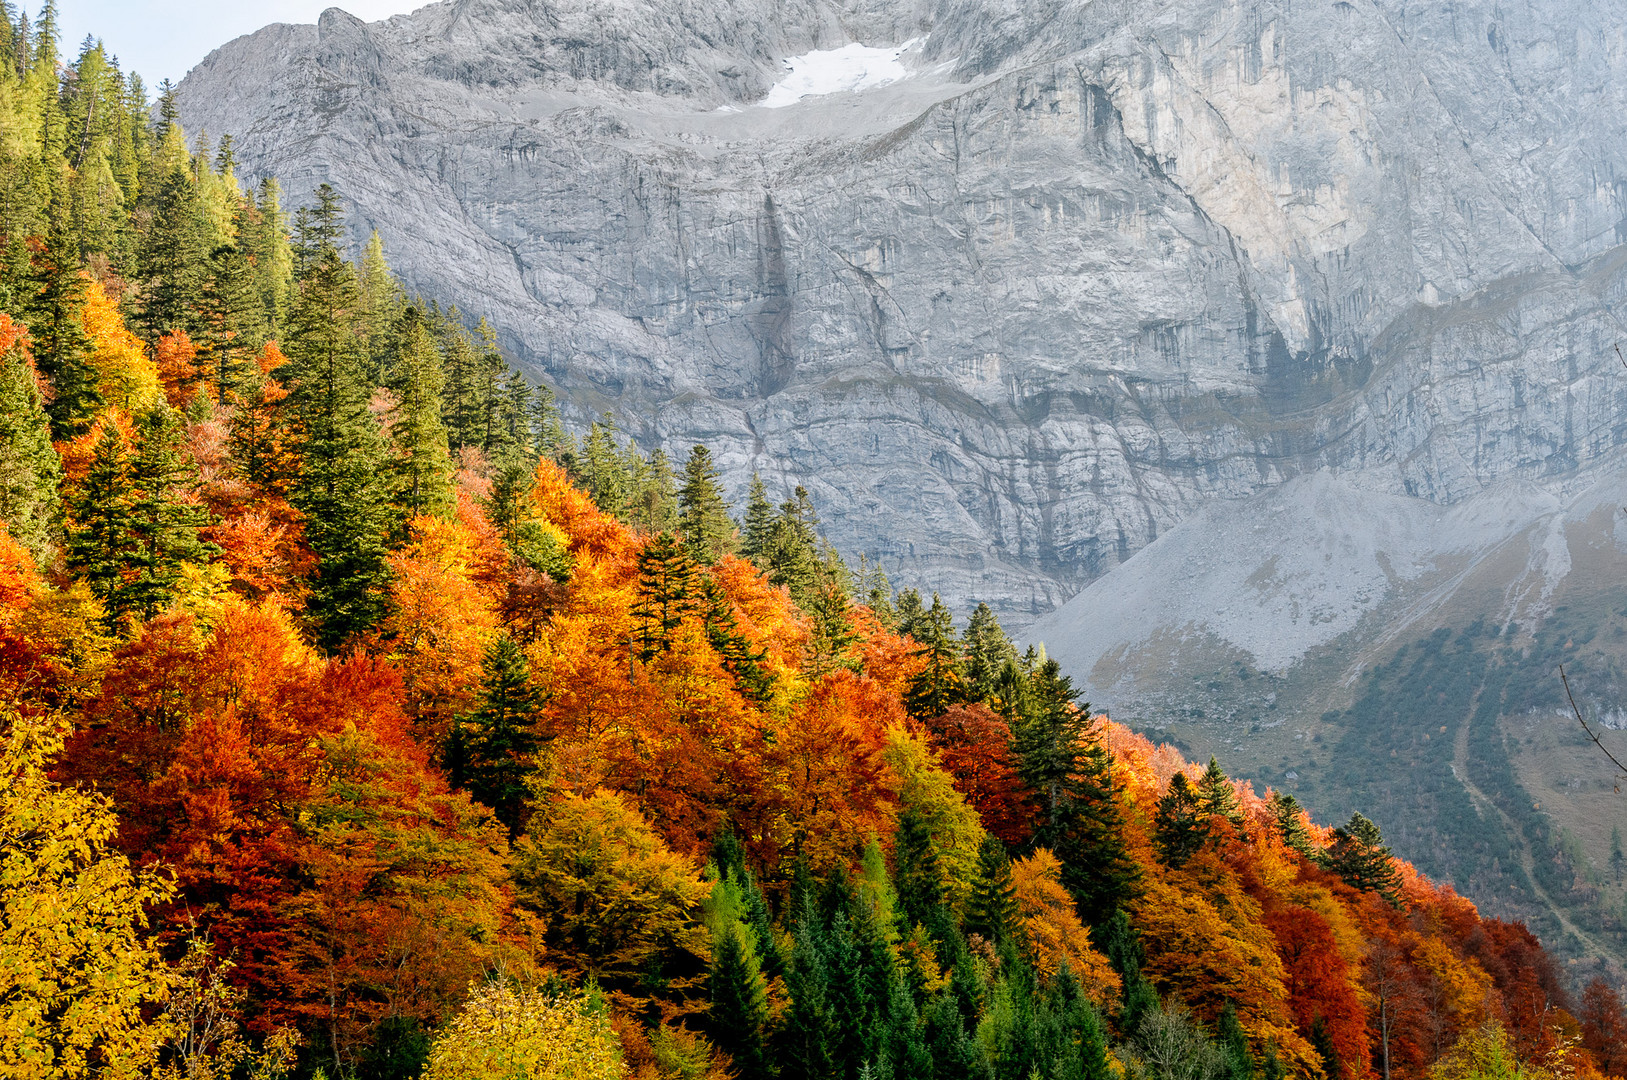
<point x="176" y="357"/>
<point x="1054" y="931"/>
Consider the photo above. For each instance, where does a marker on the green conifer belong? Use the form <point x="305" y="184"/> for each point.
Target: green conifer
<point x="1233" y="1045"/>
<point x="804" y="1050"/>
<point x="987" y="651"/>
<point x="501" y="735"/>
<point x="1216" y="795"/>
<point x="1358" y="855"/>
<point x="30" y="471"/>
<point x="938" y="686"/>
<point x="55" y="295"/>
<point x="668" y="591"/>
<point x="1179" y="826"/>
<point x="758" y="523"/>
<point x="739" y="1002"/>
<point x="704" y="521"/>
<point x="422" y="465"/>
<point x="991" y="910"/>
<point x="1290" y="820"/>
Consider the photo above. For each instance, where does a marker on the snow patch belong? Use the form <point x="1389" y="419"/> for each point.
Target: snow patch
<point x="850" y="69"/>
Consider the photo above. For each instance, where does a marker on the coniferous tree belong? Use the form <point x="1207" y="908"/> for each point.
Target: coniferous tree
<point x="652" y="501"/>
<point x="1618" y="861"/>
<point x="1179" y="826"/>
<point x="604" y="472"/>
<point x="911" y="615"/>
<point x="422" y="466"/>
<point x="827" y="606"/>
<point x="99" y="520"/>
<point x="938" y="686"/>
<point x="1358" y="855"/>
<point x="1216" y="796"/>
<point x="1233" y="1045"/>
<point x="918" y="875"/>
<point x="1065" y="764"/>
<point x="265" y="243"/>
<point x="850" y="1008"/>
<point x="54" y="298"/>
<point x="347" y="510"/>
<point x="501" y="735"/>
<point x="380" y="315"/>
<point x="739" y="1003"/>
<point x="758" y="523"/>
<point x="704" y="521"/>
<point x="1119" y="941"/>
<point x="805" y="1050"/>
<point x="173" y="259"/>
<point x="1322" y="1042"/>
<point x="742" y="660"/>
<point x="1290" y="820"/>
<point x="987" y="650"/>
<point x="163" y="521"/>
<point x="231" y="323"/>
<point x="30" y="471"/>
<point x="668" y="592"/>
<point x="991" y="910"/>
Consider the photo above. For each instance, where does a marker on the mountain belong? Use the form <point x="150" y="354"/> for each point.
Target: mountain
<point x="1017" y="288"/>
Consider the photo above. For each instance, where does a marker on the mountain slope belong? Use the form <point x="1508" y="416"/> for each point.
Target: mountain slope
<point x="1010" y="318"/>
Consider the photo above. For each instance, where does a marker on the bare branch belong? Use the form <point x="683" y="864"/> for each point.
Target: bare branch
<point x="1578" y="712"/>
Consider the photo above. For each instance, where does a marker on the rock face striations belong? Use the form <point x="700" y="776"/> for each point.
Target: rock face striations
<point x="1025" y="284"/>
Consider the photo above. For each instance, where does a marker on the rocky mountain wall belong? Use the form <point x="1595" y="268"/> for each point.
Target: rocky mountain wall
<point x="1089" y="266"/>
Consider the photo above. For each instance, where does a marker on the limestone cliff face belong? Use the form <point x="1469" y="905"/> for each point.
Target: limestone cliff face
<point x="1009" y="318"/>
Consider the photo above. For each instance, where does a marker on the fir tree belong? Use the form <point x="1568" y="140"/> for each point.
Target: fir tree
<point x="1179" y="827"/>
<point x="346" y="509"/>
<point x="163" y="519"/>
<point x="173" y="259"/>
<point x="30" y="471"/>
<point x="422" y="466"/>
<point x="851" y="1011"/>
<point x="380" y="315"/>
<point x="652" y="501"/>
<point x="1358" y="855"/>
<point x="1322" y="1042"/>
<point x="501" y="735"/>
<point x="1233" y="1045"/>
<point x="911" y="615"/>
<point x="604" y="473"/>
<point x="668" y="592"/>
<point x="1117" y="939"/>
<point x="918" y="874"/>
<point x="828" y="609"/>
<point x="744" y="662"/>
<point x="805" y="1050"/>
<point x="231" y="322"/>
<point x="991" y="910"/>
<point x="704" y="521"/>
<point x="739" y="1002"/>
<point x="99" y="533"/>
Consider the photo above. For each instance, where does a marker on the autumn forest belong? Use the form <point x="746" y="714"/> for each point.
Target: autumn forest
<point x="361" y="717"/>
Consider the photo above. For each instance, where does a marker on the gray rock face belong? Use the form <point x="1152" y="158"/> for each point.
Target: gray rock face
<point x="1090" y="265"/>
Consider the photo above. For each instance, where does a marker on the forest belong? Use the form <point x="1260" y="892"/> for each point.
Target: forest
<point x="361" y="718"/>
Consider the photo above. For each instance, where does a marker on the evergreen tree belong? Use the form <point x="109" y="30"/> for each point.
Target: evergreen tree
<point x="918" y="874"/>
<point x="805" y="1043"/>
<point x="938" y="685"/>
<point x="1064" y="763"/>
<point x="1322" y="1042"/>
<point x="851" y="1011"/>
<point x="668" y="592"/>
<point x="1233" y="1045"/>
<point x="231" y="322"/>
<point x="828" y="609"/>
<point x="501" y="735"/>
<point x="1179" y="826"/>
<point x="1358" y="855"/>
<point x="1116" y="938"/>
<point x="1618" y="861"/>
<point x="346" y="509"/>
<point x="751" y="677"/>
<point x="265" y="243"/>
<point x="99" y="533"/>
<point x="704" y="521"/>
<point x="652" y="502"/>
<point x="382" y="312"/>
<point x="911" y="615"/>
<point x="755" y="529"/>
<point x="739" y="1003"/>
<point x="30" y="471"/>
<point x="604" y="473"/>
<point x="991" y="910"/>
<point x="1216" y="796"/>
<point x="987" y="650"/>
<point x="422" y="465"/>
<point x="1290" y="820"/>
<point x="55" y="296"/>
<point x="173" y="259"/>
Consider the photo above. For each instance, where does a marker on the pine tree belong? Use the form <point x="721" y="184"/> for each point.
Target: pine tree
<point x="54" y="299"/>
<point x="1290" y="819"/>
<point x="991" y="910"/>
<point x="668" y="592"/>
<point x="790" y="555"/>
<point x="938" y="685"/>
<point x="501" y="735"/>
<point x="758" y="523"/>
<point x="342" y="451"/>
<point x="1358" y="855"/>
<point x="739" y="1003"/>
<point x="1179" y="826"/>
<point x="422" y="465"/>
<point x="30" y="471"/>
<point x="704" y="521"/>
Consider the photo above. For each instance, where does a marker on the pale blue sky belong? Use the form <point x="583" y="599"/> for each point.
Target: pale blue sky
<point x="164" y="38"/>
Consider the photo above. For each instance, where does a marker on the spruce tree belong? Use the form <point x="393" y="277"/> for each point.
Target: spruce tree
<point x="804" y="1049"/>
<point x="346" y="508"/>
<point x="751" y="677"/>
<point x="380" y="314"/>
<point x="831" y="614"/>
<point x="938" y="685"/>
<point x="231" y="322"/>
<point x="991" y="910"/>
<point x="173" y="259"/>
<point x="668" y="591"/>
<point x="163" y="518"/>
<point x="703" y="521"/>
<point x="1216" y="796"/>
<point x="422" y="465"/>
<point x="1290" y="821"/>
<point x="652" y="499"/>
<point x="1358" y="855"/>
<point x="739" y="1003"/>
<point x="1322" y="1042"/>
<point x="758" y="523"/>
<point x="54" y="297"/>
<point x="99" y="533"/>
<point x="851" y="1010"/>
<point x="918" y="874"/>
<point x="1233" y="1045"/>
<point x="987" y="650"/>
<point x="911" y="615"/>
<point x="501" y="735"/>
<point x="30" y="471"/>
<point x="1179" y="827"/>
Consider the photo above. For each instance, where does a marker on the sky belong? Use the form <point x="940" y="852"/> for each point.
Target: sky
<point x="164" y="38"/>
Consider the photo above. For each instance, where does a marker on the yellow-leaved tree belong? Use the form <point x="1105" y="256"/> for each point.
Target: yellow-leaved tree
<point x="508" y="1031"/>
<point x="76" y="970"/>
